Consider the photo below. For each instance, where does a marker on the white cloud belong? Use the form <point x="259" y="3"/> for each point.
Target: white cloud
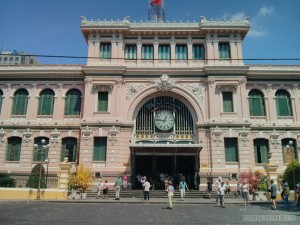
<point x="238" y="16"/>
<point x="265" y="11"/>
<point x="256" y="33"/>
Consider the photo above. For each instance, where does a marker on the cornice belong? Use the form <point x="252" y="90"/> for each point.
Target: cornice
<point x="273" y="70"/>
<point x="226" y="70"/>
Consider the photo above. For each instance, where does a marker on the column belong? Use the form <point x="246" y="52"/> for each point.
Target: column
<point x="155" y="49"/>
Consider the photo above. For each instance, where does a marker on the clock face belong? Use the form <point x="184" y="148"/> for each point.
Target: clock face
<point x="164" y="120"/>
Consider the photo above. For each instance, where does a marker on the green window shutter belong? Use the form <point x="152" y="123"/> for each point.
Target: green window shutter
<point x="46" y="102"/>
<point x="227" y="102"/>
<point x="256" y="103"/>
<point x="130" y="52"/>
<point x="14" y="149"/>
<point x="231" y="150"/>
<point x="20" y="102"/>
<point x="147" y="52"/>
<point x="224" y="51"/>
<point x="198" y="52"/>
<point x="255" y="152"/>
<point x="105" y="51"/>
<point x="73" y="102"/>
<point x="69" y="145"/>
<point x="100" y="149"/>
<point x="102" y="101"/>
<point x="164" y="52"/>
<point x="37" y="154"/>
<point x="264" y="153"/>
<point x="261" y="149"/>
<point x="181" y="52"/>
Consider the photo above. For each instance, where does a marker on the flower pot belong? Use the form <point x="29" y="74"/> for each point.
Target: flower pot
<point x="83" y="195"/>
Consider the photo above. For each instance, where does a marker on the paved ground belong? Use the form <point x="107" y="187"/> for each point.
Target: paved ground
<point x="66" y="213"/>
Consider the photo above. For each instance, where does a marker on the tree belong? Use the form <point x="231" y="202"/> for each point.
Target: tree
<point x="81" y="179"/>
<point x="293" y="169"/>
<point x="257" y="181"/>
<point x="33" y="181"/>
<point x="6" y="180"/>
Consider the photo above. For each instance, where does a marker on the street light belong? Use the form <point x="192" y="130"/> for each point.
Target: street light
<point x="42" y="150"/>
<point x="47" y="161"/>
<point x="290" y="147"/>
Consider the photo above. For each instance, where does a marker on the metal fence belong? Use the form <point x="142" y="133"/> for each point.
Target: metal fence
<point x="20" y="181"/>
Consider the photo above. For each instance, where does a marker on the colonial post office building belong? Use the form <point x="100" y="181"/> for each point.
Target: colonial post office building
<point x="154" y="97"/>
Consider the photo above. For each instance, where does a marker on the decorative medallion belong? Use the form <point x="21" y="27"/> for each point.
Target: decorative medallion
<point x="217" y="135"/>
<point x="86" y="134"/>
<point x="243" y="135"/>
<point x="132" y="89"/>
<point x="27" y="135"/>
<point x="274" y="138"/>
<point x="2" y="136"/>
<point x="55" y="136"/>
<point x="113" y="135"/>
<point x="164" y="83"/>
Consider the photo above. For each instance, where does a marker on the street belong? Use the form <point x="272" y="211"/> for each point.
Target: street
<point x="52" y="213"/>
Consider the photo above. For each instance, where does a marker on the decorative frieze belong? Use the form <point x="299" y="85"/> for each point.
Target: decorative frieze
<point x="55" y="137"/>
<point x="86" y="135"/>
<point x="103" y="87"/>
<point x="274" y="138"/>
<point x="244" y="135"/>
<point x="27" y="135"/>
<point x="2" y="136"/>
<point x="197" y="89"/>
<point x="132" y="89"/>
<point x="164" y="83"/>
<point x="217" y="135"/>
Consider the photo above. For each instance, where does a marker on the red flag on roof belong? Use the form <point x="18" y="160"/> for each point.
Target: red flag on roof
<point x="156" y="2"/>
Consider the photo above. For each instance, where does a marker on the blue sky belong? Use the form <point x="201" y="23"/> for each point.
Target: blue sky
<point x="51" y="27"/>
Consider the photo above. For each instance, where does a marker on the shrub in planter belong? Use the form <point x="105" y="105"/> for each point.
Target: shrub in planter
<point x="6" y="180"/>
<point x="33" y="180"/>
<point x="81" y="179"/>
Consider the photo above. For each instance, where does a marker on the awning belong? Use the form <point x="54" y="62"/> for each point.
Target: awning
<point x="165" y="149"/>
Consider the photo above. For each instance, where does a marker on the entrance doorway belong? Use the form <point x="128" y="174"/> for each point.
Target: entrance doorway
<point x="152" y="166"/>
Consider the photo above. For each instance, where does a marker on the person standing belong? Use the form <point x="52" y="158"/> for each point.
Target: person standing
<point x="105" y="190"/>
<point x="170" y="191"/>
<point x="209" y="189"/>
<point x="118" y="187"/>
<point x="286" y="193"/>
<point x="273" y="191"/>
<point x="162" y="180"/>
<point x="124" y="182"/>
<point x="183" y="187"/>
<point x="245" y="192"/>
<point x="99" y="187"/>
<point x="298" y="194"/>
<point x="217" y="186"/>
<point x="221" y="194"/>
<point x="146" y="186"/>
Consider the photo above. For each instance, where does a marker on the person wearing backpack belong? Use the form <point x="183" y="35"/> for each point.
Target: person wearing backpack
<point x="183" y="187"/>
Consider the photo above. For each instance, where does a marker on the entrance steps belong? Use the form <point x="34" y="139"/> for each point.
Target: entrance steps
<point x="91" y="194"/>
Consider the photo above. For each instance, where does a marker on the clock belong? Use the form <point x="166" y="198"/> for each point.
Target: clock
<point x="164" y="120"/>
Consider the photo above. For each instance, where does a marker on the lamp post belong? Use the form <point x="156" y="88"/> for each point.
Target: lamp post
<point x="47" y="161"/>
<point x="42" y="150"/>
<point x="290" y="147"/>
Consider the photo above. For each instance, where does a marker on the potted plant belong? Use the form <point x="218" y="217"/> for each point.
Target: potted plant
<point x="82" y="179"/>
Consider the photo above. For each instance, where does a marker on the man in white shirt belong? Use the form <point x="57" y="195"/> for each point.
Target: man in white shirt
<point x="146" y="186"/>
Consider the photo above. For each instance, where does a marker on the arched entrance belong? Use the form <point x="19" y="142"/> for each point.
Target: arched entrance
<point x="165" y="143"/>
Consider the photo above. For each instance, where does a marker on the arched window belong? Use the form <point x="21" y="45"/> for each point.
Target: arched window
<point x="20" y="102"/>
<point x="13" y="149"/>
<point x="69" y="149"/>
<point x="46" y="102"/>
<point x="256" y="103"/>
<point x="261" y="150"/>
<point x="1" y="99"/>
<point x="40" y="154"/>
<point x="73" y="102"/>
<point x="283" y="103"/>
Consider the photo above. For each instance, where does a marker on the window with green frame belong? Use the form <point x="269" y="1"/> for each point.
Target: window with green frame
<point x="164" y="52"/>
<point x="285" y="144"/>
<point x="198" y="52"/>
<point x="224" y="51"/>
<point x="69" y="149"/>
<point x="130" y="52"/>
<point x="100" y="144"/>
<point x="13" y="149"/>
<point x="1" y="99"/>
<point x="20" y="102"/>
<point x="256" y="103"/>
<point x="283" y="103"/>
<point x="147" y="52"/>
<point x="105" y="50"/>
<point x="181" y="52"/>
<point x="227" y="101"/>
<point x="231" y="149"/>
<point x="38" y="154"/>
<point x="261" y="149"/>
<point x="46" y="102"/>
<point x="102" y="101"/>
<point x="73" y="102"/>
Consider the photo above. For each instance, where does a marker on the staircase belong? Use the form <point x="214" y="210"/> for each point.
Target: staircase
<point x="92" y="194"/>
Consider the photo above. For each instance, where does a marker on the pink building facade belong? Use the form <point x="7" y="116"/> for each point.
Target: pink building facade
<point x="153" y="98"/>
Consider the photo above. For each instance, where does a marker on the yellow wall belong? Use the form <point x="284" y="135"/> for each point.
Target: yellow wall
<point x="26" y="193"/>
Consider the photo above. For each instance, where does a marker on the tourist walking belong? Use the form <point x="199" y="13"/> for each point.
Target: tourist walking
<point x="170" y="191"/>
<point x="245" y="192"/>
<point x="124" y="182"/>
<point x="105" y="189"/>
<point x="273" y="191"/>
<point x="217" y="186"/>
<point x="286" y="193"/>
<point x="221" y="194"/>
<point x="183" y="187"/>
<point x="99" y="187"/>
<point x="146" y="186"/>
<point x="118" y="187"/>
<point x="209" y="189"/>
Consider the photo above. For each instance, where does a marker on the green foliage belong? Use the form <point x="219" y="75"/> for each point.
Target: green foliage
<point x="257" y="181"/>
<point x="292" y="170"/>
<point x="33" y="181"/>
<point x="6" y="180"/>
